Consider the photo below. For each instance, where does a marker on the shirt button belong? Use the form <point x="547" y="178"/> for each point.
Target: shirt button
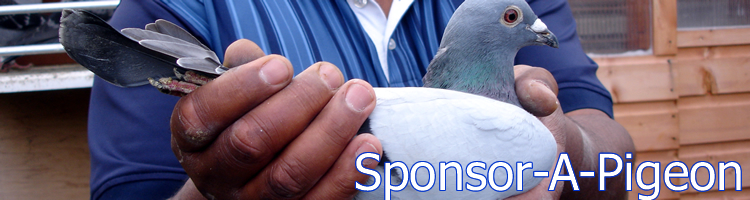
<point x="359" y="3"/>
<point x="392" y="44"/>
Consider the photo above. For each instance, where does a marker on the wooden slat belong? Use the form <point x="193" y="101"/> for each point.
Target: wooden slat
<point x="638" y="83"/>
<point x="648" y="174"/>
<point x="717" y="70"/>
<point x="701" y="53"/>
<point x="665" y="27"/>
<point x="653" y="126"/>
<point x="713" y="37"/>
<point x="714" y="118"/>
<point x="632" y="60"/>
<point x="724" y="195"/>
<point x="730" y="75"/>
<point x="692" y="78"/>
<point x="684" y="54"/>
<point x="738" y="151"/>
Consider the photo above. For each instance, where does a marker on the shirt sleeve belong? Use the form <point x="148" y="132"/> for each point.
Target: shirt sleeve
<point x="128" y="128"/>
<point x="574" y="71"/>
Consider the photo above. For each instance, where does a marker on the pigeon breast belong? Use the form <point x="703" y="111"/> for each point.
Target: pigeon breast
<point x="438" y="125"/>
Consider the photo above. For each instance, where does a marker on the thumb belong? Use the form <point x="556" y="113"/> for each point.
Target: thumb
<point x="537" y="90"/>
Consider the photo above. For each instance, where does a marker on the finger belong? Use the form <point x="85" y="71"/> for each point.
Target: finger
<point x="253" y="140"/>
<point x="338" y="183"/>
<point x="310" y="155"/>
<point x="240" y="52"/>
<point x="199" y="117"/>
<point x="536" y="89"/>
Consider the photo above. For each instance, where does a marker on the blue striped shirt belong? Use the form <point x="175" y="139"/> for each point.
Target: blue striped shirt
<point x="129" y="135"/>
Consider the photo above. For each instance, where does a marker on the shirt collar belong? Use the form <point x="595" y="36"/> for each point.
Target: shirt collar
<point x="377" y="26"/>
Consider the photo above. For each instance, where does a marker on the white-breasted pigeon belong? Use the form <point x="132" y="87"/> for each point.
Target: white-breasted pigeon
<point x="476" y="56"/>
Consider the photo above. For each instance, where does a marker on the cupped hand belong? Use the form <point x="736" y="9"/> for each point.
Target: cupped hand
<point x="537" y="92"/>
<point x="257" y="133"/>
<point x="581" y="133"/>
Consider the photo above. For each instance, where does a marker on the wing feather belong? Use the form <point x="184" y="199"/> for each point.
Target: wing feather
<point x="183" y="50"/>
<point x="169" y="28"/>
<point x="141" y="35"/>
<point x="94" y="44"/>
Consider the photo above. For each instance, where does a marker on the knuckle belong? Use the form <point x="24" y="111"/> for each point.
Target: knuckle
<point x="249" y="142"/>
<point x="188" y="126"/>
<point x="306" y="103"/>
<point x="340" y="131"/>
<point x="288" y="180"/>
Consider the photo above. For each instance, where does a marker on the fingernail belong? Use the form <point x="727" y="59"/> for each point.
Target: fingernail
<point x="358" y="97"/>
<point x="274" y="72"/>
<point x="367" y="147"/>
<point x="544" y="87"/>
<point x="330" y="75"/>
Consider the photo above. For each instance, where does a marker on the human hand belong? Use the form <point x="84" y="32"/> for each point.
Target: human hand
<point x="255" y="132"/>
<point x="581" y="133"/>
<point x="537" y="92"/>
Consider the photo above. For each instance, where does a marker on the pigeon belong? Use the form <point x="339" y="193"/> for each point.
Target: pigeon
<point x="475" y="56"/>
<point x="467" y="113"/>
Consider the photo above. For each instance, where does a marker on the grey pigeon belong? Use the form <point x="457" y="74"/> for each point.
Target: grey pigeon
<point x="421" y="124"/>
<point x="477" y="119"/>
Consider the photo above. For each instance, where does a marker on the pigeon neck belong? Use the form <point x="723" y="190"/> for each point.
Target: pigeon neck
<point x="489" y="76"/>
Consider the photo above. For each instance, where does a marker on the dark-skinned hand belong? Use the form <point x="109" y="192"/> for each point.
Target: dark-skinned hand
<point x="257" y="133"/>
<point x="581" y="133"/>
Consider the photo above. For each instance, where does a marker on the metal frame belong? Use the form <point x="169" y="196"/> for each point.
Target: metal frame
<point x="48" y="77"/>
<point x="56" y="7"/>
<point x="46" y="8"/>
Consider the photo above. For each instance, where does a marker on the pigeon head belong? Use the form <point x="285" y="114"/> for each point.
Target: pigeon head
<point x="499" y="24"/>
<point x="480" y="44"/>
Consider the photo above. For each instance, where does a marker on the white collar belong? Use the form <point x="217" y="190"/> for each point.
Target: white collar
<point x="378" y="27"/>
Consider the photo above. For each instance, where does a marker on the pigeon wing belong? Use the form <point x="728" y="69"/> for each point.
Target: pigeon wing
<point x="169" y="28"/>
<point x="99" y="47"/>
<point x="176" y="46"/>
<point x="183" y="50"/>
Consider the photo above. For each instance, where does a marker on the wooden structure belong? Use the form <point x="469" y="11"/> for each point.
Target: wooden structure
<point x="689" y="101"/>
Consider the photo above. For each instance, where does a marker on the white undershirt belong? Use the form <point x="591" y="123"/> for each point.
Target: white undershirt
<point x="378" y="27"/>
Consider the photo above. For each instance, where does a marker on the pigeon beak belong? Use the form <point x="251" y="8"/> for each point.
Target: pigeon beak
<point x="544" y="36"/>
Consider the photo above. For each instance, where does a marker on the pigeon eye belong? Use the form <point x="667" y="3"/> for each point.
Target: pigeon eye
<point x="512" y="16"/>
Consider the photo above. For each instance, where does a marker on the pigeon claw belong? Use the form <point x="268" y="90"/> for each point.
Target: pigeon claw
<point x="173" y="87"/>
<point x="182" y="85"/>
<point x="193" y="77"/>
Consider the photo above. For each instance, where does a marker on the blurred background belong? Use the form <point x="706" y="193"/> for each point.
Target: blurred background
<point x="678" y="71"/>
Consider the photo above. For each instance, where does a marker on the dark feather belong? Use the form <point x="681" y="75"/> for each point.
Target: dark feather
<point x="99" y="47"/>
